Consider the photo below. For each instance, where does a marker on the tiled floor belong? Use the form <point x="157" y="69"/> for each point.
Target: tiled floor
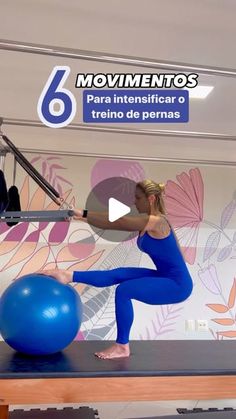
<point x="126" y="410"/>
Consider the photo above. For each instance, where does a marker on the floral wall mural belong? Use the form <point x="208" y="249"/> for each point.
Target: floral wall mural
<point x="206" y="232"/>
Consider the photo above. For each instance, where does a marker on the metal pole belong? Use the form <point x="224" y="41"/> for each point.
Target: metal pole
<point x="175" y="160"/>
<point x="136" y="158"/>
<point x="129" y="131"/>
<point x="41" y="49"/>
<point x="2" y="162"/>
<point x="83" y="127"/>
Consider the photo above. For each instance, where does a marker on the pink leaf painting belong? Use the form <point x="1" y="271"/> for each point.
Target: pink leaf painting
<point x="44" y="168"/>
<point x="64" y="180"/>
<point x="53" y="158"/>
<point x="59" y="189"/>
<point x="184" y="203"/>
<point x="35" y="159"/>
<point x="75" y="252"/>
<point x="104" y="169"/>
<point x="52" y="167"/>
<point x="81" y="243"/>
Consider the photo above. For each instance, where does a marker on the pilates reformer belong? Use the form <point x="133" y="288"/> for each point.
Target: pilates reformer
<point x="156" y="370"/>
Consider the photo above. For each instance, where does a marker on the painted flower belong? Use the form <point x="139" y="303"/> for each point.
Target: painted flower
<point x="184" y="204"/>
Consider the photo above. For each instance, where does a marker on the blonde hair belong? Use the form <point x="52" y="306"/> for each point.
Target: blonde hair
<point x="149" y="187"/>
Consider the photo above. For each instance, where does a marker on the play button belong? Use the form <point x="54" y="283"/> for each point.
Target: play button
<point x="117" y="210"/>
<point x="113" y="198"/>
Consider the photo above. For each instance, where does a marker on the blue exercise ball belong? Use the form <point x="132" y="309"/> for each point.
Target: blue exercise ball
<point x="39" y="315"/>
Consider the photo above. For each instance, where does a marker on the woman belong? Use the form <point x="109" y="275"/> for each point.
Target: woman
<point x="168" y="284"/>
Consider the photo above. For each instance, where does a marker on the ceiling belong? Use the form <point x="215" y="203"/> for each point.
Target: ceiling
<point x="199" y="32"/>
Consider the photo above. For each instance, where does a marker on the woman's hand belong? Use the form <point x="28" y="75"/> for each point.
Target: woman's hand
<point x="63" y="276"/>
<point x="78" y="214"/>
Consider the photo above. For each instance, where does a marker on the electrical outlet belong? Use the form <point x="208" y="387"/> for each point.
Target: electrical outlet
<point x="189" y="325"/>
<point x="202" y="325"/>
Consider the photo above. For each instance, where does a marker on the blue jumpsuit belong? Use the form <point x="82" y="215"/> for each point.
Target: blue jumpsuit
<point x="168" y="284"/>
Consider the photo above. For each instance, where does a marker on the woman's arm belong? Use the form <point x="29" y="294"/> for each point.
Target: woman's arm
<point x="126" y="223"/>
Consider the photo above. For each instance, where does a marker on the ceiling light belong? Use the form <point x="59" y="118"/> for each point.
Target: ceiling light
<point x="199" y="92"/>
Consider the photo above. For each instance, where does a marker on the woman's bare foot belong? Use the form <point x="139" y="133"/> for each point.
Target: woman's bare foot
<point x="117" y="350"/>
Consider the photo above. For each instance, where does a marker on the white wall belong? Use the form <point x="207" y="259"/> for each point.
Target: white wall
<point x="209" y="273"/>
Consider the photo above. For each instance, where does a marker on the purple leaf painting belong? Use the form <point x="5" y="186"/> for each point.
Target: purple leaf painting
<point x="33" y="237"/>
<point x="59" y="232"/>
<point x="210" y="280"/>
<point x="211" y="245"/>
<point x="17" y="233"/>
<point x="234" y="237"/>
<point x="162" y="323"/>
<point x="3" y="228"/>
<point x="224" y="253"/>
<point x="228" y="213"/>
<point x="43" y="225"/>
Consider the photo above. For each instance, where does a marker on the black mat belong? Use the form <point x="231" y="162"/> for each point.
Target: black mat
<point x="202" y="415"/>
<point x="67" y="413"/>
<point x="201" y="410"/>
<point x="149" y="358"/>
